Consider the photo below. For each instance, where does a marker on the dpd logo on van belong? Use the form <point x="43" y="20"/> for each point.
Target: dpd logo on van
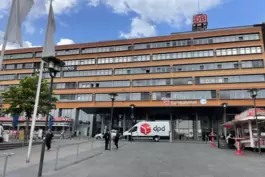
<point x="158" y="129"/>
<point x="145" y="129"/>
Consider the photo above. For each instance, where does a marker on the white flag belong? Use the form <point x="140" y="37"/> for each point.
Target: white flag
<point x="19" y="10"/>
<point x="49" y="46"/>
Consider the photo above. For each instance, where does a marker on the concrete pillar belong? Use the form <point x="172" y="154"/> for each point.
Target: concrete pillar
<point x="75" y="116"/>
<point x="196" y="126"/>
<point x="171" y="129"/>
<point x="91" y="118"/>
<point x="124" y="123"/>
<point x="102" y="123"/>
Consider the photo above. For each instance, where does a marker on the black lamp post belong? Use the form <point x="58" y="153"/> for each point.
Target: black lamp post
<point x="132" y="106"/>
<point x="224" y="105"/>
<point x="54" y="66"/>
<point x="253" y="93"/>
<point x="112" y="97"/>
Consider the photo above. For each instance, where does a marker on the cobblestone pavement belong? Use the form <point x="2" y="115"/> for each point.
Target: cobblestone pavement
<point x="146" y="159"/>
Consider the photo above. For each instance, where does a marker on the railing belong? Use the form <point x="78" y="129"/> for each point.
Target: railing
<point x="5" y="156"/>
<point x="80" y="152"/>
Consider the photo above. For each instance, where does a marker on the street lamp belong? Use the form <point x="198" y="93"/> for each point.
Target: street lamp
<point x="132" y="106"/>
<point x="112" y="97"/>
<point x="253" y="93"/>
<point x="54" y="66"/>
<point x="224" y="105"/>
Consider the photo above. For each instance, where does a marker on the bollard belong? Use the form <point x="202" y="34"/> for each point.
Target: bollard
<point x="4" y="170"/>
<point x="92" y="145"/>
<point x="77" y="152"/>
<point x="238" y="148"/>
<point x="57" y="156"/>
<point x="212" y="139"/>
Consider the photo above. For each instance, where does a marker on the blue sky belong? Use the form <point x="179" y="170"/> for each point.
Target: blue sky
<point x="81" y="21"/>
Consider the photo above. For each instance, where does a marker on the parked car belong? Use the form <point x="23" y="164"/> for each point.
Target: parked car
<point x="100" y="135"/>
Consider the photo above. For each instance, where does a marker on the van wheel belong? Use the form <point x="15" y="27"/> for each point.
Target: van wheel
<point x="156" y="138"/>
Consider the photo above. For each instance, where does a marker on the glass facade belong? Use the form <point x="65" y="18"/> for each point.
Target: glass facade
<point x="80" y="62"/>
<point x="240" y="94"/>
<point x="185" y="95"/>
<point x="6" y="77"/>
<point x="74" y="97"/>
<point x="225" y="39"/>
<point x="105" y="84"/>
<point x="142" y="70"/>
<point x="219" y="66"/>
<point x="230" y="79"/>
<point x="181" y="55"/>
<point x="100" y="72"/>
<point x="162" y="82"/>
<point x="144" y="96"/>
<point x="138" y="58"/>
<point x="239" y="51"/>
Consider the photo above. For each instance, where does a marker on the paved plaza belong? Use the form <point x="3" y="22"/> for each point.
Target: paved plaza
<point x="168" y="160"/>
<point x="148" y="159"/>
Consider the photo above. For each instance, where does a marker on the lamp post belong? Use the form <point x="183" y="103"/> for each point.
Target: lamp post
<point x="54" y="66"/>
<point x="253" y="93"/>
<point x="112" y="97"/>
<point x="224" y="105"/>
<point x="132" y="106"/>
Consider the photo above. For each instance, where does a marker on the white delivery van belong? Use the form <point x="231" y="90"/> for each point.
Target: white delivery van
<point x="155" y="130"/>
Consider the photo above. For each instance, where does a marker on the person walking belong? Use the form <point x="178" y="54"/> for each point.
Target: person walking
<point x="106" y="136"/>
<point x="49" y="137"/>
<point x="116" y="139"/>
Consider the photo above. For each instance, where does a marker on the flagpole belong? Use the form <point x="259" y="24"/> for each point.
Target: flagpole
<point x="35" y="112"/>
<point x="3" y="53"/>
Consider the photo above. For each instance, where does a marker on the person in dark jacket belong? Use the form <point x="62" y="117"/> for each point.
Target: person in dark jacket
<point x="107" y="139"/>
<point x="116" y="139"/>
<point x="49" y="137"/>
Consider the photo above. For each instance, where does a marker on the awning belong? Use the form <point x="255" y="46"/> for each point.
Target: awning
<point x="229" y="124"/>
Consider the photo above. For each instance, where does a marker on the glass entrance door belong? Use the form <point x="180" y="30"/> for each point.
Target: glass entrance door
<point x="188" y="128"/>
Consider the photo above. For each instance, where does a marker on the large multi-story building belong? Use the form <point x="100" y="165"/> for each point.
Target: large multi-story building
<point x="183" y="76"/>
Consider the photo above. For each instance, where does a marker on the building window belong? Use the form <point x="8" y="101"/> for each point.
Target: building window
<point x="181" y="55"/>
<point x="231" y="79"/>
<point x="184" y="95"/>
<point x="205" y="66"/>
<point x="145" y="70"/>
<point x="238" y="51"/>
<point x="123" y="97"/>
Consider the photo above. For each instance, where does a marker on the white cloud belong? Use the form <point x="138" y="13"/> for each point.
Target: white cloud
<point x="41" y="30"/>
<point x="26" y="44"/>
<point x="139" y="28"/>
<point x="4" y="6"/>
<point x="40" y="9"/>
<point x="173" y="12"/>
<point x="65" y="41"/>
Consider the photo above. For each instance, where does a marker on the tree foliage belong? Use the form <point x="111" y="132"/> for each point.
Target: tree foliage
<point x="21" y="98"/>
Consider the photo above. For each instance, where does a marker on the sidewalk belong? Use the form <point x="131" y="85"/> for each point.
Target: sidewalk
<point x="17" y="163"/>
<point x="145" y="159"/>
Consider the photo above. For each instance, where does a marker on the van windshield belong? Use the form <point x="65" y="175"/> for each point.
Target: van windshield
<point x="133" y="129"/>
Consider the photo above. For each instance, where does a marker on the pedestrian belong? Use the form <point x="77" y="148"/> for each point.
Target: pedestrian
<point x="116" y="139"/>
<point x="49" y="137"/>
<point x="1" y="132"/>
<point x="106" y="136"/>
<point x="62" y="135"/>
<point x="79" y="135"/>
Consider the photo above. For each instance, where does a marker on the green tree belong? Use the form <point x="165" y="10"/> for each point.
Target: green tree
<point x="21" y="99"/>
